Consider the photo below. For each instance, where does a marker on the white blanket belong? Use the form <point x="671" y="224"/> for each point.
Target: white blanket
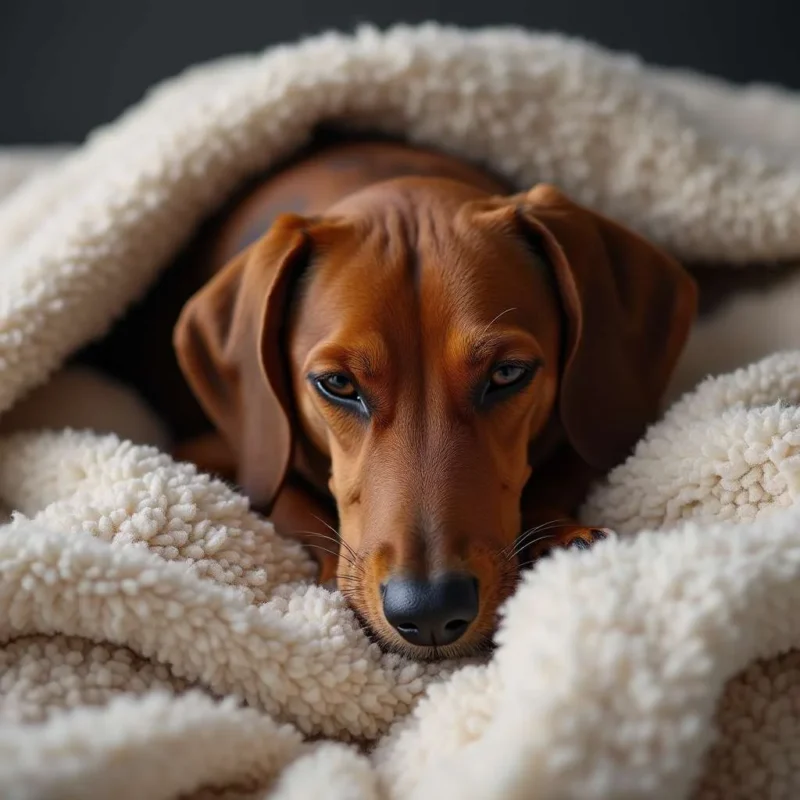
<point x="159" y="640"/>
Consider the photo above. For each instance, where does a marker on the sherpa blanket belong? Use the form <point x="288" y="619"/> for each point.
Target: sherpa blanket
<point x="157" y="639"/>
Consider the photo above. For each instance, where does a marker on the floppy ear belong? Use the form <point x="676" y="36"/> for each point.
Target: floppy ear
<point x="629" y="307"/>
<point x="228" y="345"/>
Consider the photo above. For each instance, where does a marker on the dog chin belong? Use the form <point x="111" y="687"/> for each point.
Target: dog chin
<point x="475" y="646"/>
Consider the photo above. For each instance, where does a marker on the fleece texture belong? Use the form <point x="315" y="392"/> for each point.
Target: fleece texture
<point x="159" y="640"/>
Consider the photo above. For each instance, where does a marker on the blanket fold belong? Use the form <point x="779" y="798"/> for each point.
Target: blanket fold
<point x="158" y="639"/>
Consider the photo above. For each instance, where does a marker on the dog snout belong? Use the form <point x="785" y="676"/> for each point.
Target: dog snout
<point x="431" y="612"/>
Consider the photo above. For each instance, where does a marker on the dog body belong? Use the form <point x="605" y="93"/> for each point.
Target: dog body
<point x="394" y="348"/>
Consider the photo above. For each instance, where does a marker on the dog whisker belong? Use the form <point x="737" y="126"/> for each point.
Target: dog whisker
<point x="534" y="530"/>
<point x="496" y="318"/>
<point x="353" y="557"/>
<point x="336" y="534"/>
<point x="334" y="553"/>
<point x="530" y="563"/>
<point x="506" y="551"/>
<point x="315" y="533"/>
<point x="527" y="538"/>
<point x="542" y="537"/>
<point x="354" y="561"/>
<point x="323" y="549"/>
<point x="326" y="524"/>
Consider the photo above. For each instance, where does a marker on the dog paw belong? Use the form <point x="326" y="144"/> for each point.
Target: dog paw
<point x="574" y="538"/>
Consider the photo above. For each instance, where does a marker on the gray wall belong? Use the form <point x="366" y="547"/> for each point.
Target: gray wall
<point x="69" y="65"/>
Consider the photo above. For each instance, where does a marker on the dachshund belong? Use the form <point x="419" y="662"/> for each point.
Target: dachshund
<point x="419" y="373"/>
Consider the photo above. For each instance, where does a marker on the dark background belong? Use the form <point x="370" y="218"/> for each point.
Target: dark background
<point x="67" y="66"/>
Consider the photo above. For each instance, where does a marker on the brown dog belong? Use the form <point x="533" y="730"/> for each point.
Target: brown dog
<point x="449" y="364"/>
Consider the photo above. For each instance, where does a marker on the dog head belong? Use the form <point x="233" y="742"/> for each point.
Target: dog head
<point x="420" y="337"/>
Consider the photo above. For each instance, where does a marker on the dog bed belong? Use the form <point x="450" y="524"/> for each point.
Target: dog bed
<point x="158" y="640"/>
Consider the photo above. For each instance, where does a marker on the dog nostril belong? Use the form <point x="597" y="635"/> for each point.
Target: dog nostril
<point x="431" y="612"/>
<point x="457" y="625"/>
<point x="407" y="628"/>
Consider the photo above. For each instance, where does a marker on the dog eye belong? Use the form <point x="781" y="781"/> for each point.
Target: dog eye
<point x="507" y="374"/>
<point x="506" y="379"/>
<point x="337" y="386"/>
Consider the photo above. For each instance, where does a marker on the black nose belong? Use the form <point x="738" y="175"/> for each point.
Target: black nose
<point x="431" y="612"/>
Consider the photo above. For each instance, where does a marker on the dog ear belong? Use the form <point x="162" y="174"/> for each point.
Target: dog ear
<point x="629" y="307"/>
<point x="228" y="342"/>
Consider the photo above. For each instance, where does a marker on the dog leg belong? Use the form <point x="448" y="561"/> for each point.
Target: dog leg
<point x="548" y="529"/>
<point x="549" y="503"/>
<point x="567" y="536"/>
<point x="298" y="514"/>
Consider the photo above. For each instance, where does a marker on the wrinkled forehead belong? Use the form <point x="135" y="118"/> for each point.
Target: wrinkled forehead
<point x="421" y="269"/>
